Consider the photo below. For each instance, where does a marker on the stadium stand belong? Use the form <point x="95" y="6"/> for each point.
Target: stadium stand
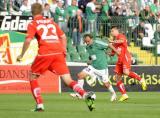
<point x="128" y="15"/>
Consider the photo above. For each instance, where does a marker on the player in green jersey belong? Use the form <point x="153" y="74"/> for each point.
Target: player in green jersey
<point x="97" y="64"/>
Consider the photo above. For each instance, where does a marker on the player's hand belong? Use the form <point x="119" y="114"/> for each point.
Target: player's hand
<point x="109" y="53"/>
<point x="19" y="58"/>
<point x="118" y="52"/>
<point x="111" y="41"/>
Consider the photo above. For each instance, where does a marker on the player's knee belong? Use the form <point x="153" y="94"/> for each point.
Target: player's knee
<point x="67" y="79"/>
<point x="126" y="72"/>
<point x="80" y="76"/>
<point x="118" y="77"/>
<point x="107" y="84"/>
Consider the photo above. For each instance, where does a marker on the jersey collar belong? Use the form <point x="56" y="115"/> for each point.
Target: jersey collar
<point x="38" y="17"/>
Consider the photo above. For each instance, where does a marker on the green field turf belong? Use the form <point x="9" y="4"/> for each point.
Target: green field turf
<point x="140" y="105"/>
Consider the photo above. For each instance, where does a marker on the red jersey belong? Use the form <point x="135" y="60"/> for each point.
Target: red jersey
<point x="47" y="33"/>
<point x="122" y="47"/>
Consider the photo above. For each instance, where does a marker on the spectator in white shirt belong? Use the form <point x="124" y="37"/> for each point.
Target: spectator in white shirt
<point x="38" y="1"/>
<point x="25" y="8"/>
<point x="149" y="34"/>
<point x="53" y="6"/>
<point x="46" y="11"/>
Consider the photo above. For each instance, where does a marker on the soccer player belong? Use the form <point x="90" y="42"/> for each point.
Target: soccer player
<point x="51" y="56"/>
<point x="123" y="65"/>
<point x="98" y="66"/>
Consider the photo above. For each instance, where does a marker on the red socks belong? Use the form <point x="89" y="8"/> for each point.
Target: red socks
<point x="36" y="91"/>
<point x="134" y="75"/>
<point x="121" y="87"/>
<point x="74" y="85"/>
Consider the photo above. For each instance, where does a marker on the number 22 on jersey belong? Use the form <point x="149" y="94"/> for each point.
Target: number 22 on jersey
<point x="49" y="31"/>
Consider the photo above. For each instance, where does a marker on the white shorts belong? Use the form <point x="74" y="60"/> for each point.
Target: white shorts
<point x="102" y="75"/>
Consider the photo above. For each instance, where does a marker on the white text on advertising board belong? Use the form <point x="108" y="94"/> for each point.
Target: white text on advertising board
<point x="15" y="23"/>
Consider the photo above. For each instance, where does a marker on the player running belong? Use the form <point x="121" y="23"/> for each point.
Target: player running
<point x="51" y="56"/>
<point x="123" y="65"/>
<point x="98" y="66"/>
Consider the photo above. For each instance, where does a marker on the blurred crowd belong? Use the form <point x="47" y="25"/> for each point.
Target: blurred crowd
<point x="78" y="16"/>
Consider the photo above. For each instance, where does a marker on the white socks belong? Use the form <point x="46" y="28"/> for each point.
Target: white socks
<point x="111" y="89"/>
<point x="81" y="83"/>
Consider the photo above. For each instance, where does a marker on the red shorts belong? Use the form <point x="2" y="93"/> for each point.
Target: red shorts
<point x="55" y="63"/>
<point x="123" y="65"/>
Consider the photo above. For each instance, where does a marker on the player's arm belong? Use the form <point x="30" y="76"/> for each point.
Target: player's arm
<point x="101" y="44"/>
<point x="114" y="49"/>
<point x="26" y="45"/>
<point x="30" y="35"/>
<point x="117" y="41"/>
<point x="63" y="41"/>
<point x="110" y="53"/>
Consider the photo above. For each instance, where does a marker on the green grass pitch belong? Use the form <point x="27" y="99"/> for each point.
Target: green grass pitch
<point x="139" y="105"/>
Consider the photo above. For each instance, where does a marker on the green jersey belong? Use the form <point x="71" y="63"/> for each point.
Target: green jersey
<point x="105" y="9"/>
<point x="97" y="54"/>
<point x="72" y="11"/>
<point x="154" y="8"/>
<point x="99" y="1"/>
<point x="59" y="14"/>
<point x="110" y="2"/>
<point x="90" y="8"/>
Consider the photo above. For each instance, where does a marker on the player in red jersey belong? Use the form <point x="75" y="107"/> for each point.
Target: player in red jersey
<point x="51" y="56"/>
<point x="123" y="65"/>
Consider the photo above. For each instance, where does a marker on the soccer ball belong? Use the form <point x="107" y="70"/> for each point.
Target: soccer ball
<point x="91" y="81"/>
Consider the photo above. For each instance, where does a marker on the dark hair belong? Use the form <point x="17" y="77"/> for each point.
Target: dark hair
<point x="88" y="35"/>
<point x="115" y="27"/>
<point x="46" y="4"/>
<point x="119" y="28"/>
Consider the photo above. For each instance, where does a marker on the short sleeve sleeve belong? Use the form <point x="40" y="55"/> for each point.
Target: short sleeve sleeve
<point x="31" y="30"/>
<point x="101" y="44"/>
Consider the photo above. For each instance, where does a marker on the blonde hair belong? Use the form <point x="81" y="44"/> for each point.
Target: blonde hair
<point x="36" y="9"/>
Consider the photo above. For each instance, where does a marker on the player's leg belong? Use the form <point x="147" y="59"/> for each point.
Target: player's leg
<point x="118" y="77"/>
<point x="88" y="96"/>
<point x="121" y="87"/>
<point x="60" y="67"/>
<point x="39" y="66"/>
<point x="73" y="84"/>
<point x="81" y="76"/>
<point x="103" y="75"/>
<point x="88" y="71"/>
<point x="126" y="71"/>
<point x="36" y="92"/>
<point x="111" y="90"/>
<point x="134" y="75"/>
<point x="131" y="74"/>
